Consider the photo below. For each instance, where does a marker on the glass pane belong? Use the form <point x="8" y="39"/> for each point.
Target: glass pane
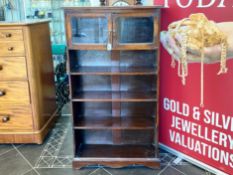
<point x="89" y="30"/>
<point x="135" y="29"/>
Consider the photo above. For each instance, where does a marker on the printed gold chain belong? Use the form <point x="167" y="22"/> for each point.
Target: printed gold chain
<point x="197" y="33"/>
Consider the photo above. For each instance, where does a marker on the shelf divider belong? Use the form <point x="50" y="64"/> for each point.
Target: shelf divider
<point x="115" y="123"/>
<point x="114" y="70"/>
<point x="100" y="96"/>
<point x="116" y="106"/>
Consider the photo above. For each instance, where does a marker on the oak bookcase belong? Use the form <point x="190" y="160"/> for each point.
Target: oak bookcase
<point x="113" y="68"/>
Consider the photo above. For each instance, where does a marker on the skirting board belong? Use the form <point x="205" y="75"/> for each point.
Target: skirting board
<point x="192" y="160"/>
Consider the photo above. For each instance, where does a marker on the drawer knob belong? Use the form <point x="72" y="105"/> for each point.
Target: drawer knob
<point x="2" y="93"/>
<point x="1" y="67"/>
<point x="11" y="48"/>
<point x="8" y="35"/>
<point x="5" y="119"/>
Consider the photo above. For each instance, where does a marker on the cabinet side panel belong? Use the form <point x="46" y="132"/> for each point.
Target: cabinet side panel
<point x="40" y="72"/>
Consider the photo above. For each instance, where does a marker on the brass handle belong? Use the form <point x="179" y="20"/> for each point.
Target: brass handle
<point x="2" y="93"/>
<point x="1" y="67"/>
<point x="8" y="35"/>
<point x="11" y="48"/>
<point x="5" y="119"/>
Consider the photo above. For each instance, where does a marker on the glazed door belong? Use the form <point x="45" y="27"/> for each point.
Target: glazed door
<point x="135" y="31"/>
<point x="88" y="31"/>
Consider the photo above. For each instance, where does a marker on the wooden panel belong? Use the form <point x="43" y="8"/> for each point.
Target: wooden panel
<point x="138" y="109"/>
<point x="40" y="72"/>
<point x="14" y="92"/>
<point x="94" y="136"/>
<point x="97" y="109"/>
<point x="115" y="9"/>
<point x="13" y="68"/>
<point x="153" y="163"/>
<point x="112" y="2"/>
<point x="19" y="135"/>
<point x="19" y="117"/>
<point x="12" y="48"/>
<point x="11" y="35"/>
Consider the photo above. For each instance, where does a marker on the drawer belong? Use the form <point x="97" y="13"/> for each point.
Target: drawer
<point x="15" y="117"/>
<point x="11" y="35"/>
<point x="14" y="92"/>
<point x="14" y="48"/>
<point x="13" y="68"/>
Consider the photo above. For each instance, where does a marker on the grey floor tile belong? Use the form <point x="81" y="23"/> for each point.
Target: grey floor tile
<point x="18" y="145"/>
<point x="5" y="148"/>
<point x="168" y="158"/>
<point x="12" y="163"/>
<point x="190" y="169"/>
<point x="64" y="119"/>
<point x="67" y="146"/>
<point x="66" y="109"/>
<point x="134" y="171"/>
<point x="31" y="172"/>
<point x="171" y="171"/>
<point x="101" y="171"/>
<point x="31" y="152"/>
<point x="63" y="162"/>
<point x="64" y="171"/>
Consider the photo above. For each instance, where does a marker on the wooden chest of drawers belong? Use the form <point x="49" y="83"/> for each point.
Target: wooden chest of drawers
<point x="27" y="90"/>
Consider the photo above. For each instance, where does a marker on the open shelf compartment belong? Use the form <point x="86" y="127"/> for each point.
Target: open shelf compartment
<point x="114" y="115"/>
<point x="115" y="151"/>
<point x="90" y="62"/>
<point x="113" y="88"/>
<point x="126" y="146"/>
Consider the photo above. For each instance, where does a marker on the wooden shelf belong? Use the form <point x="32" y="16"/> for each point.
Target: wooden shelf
<point x="115" y="151"/>
<point x="126" y="123"/>
<point x="114" y="71"/>
<point x="115" y="96"/>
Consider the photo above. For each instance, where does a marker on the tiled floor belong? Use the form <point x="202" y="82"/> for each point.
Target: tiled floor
<point x="54" y="157"/>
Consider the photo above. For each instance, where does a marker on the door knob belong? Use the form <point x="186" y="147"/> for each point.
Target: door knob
<point x="5" y="119"/>
<point x="11" y="48"/>
<point x="2" y="93"/>
<point x="8" y="35"/>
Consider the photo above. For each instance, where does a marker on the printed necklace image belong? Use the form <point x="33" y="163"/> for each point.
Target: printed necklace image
<point x="197" y="33"/>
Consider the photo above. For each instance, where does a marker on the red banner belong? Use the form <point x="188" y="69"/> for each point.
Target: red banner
<point x="204" y="133"/>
